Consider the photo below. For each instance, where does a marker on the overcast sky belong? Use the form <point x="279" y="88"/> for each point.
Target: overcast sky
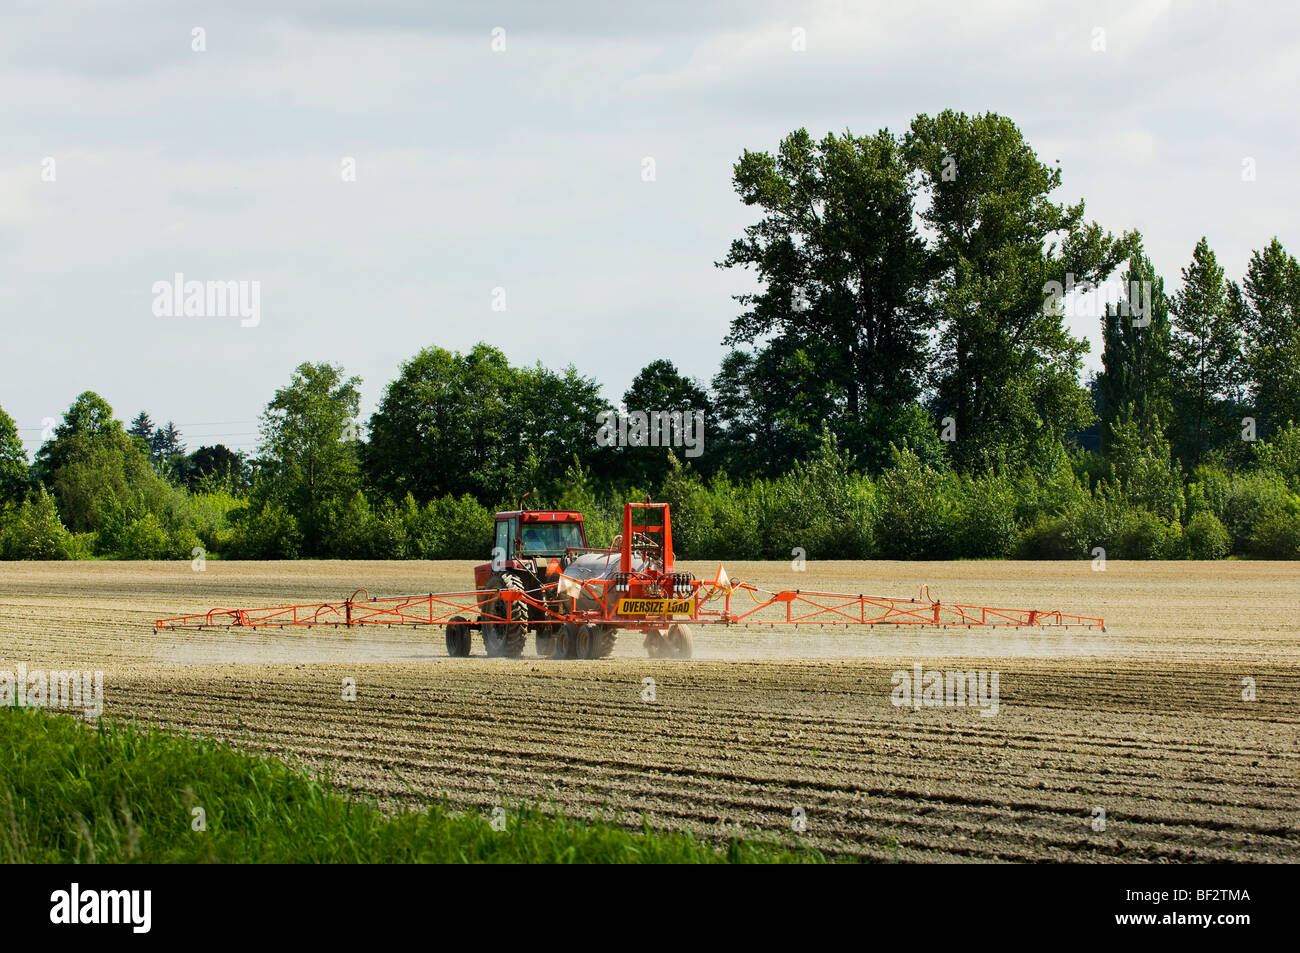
<point x="522" y="169"/>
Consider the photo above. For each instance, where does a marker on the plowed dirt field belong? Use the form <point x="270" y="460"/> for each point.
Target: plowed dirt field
<point x="1181" y="722"/>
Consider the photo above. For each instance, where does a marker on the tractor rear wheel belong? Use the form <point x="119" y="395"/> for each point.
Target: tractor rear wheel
<point x="458" y="637"/>
<point x="504" y="636"/>
<point x="564" y="640"/>
<point x="681" y="644"/>
<point x="654" y="644"/>
<point x="582" y="639"/>
<point x="603" y="638"/>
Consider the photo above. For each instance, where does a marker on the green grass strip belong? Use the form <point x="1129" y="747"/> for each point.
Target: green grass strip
<point x="120" y="793"/>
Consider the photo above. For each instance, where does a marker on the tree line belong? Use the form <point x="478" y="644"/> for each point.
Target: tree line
<point x="901" y="383"/>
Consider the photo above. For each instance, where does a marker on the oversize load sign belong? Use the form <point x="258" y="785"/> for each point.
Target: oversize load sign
<point x="656" y="607"/>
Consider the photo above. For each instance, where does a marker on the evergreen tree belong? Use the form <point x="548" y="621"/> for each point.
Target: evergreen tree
<point x="1272" y="337"/>
<point x="1134" y="382"/>
<point x="1206" y="365"/>
<point x="142" y="427"/>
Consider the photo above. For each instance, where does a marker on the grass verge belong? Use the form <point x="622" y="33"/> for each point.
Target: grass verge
<point x="119" y="793"/>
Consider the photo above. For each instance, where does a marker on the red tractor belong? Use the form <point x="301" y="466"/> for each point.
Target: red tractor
<point x="572" y="588"/>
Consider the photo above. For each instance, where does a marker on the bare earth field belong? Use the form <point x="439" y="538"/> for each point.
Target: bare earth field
<point x="1145" y="721"/>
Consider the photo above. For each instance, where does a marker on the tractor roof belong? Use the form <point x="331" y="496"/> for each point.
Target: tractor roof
<point x="542" y="516"/>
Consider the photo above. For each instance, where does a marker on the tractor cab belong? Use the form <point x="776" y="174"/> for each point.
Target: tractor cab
<point x="531" y="540"/>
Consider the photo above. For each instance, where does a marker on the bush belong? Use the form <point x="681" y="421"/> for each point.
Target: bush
<point x="1208" y="490"/>
<point x="1206" y="537"/>
<point x="144" y="538"/>
<point x="33" y="531"/>
<point x="265" y="530"/>
<point x="1144" y="535"/>
<point x="1281" y="454"/>
<point x="822" y="507"/>
<point x="357" y="531"/>
<point x="209" y="516"/>
<point x="1047" y="537"/>
<point x="1275" y="535"/>
<point x="984" y="524"/>
<point x="447" y="528"/>
<point x="913" y="511"/>
<point x="1143" y="467"/>
<point x="1249" y="498"/>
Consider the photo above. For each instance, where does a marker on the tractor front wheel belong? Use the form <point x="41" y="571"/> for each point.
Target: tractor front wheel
<point x="504" y="636"/>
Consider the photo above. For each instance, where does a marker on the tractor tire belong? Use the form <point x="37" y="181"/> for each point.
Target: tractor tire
<point x="583" y="636"/>
<point x="654" y="644"/>
<point x="459" y="637"/>
<point x="506" y="639"/>
<point x="681" y="643"/>
<point x="564" y="641"/>
<point x="602" y="642"/>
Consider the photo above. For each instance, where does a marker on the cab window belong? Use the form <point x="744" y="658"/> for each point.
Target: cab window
<point x="505" y="535"/>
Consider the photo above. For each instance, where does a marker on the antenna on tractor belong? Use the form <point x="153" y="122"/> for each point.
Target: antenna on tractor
<point x="522" y="500"/>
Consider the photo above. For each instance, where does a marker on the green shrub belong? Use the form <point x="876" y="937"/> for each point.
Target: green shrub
<point x="913" y="511"/>
<point x="821" y="506"/>
<point x="1144" y="535"/>
<point x="1208" y="490"/>
<point x="1095" y="520"/>
<point x="1281" y="455"/>
<point x="265" y="530"/>
<point x="355" y="530"/>
<point x="446" y="528"/>
<point x="1047" y="537"/>
<point x="984" y="524"/>
<point x="1249" y="498"/>
<point x="144" y="538"/>
<point x="1206" y="537"/>
<point x="1275" y="534"/>
<point x="32" y="530"/>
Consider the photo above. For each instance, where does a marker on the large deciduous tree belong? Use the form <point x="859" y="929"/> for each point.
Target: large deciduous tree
<point x="1007" y="366"/>
<point x="14" y="475"/>
<point x="660" y="386"/>
<point x="471" y="423"/>
<point x="842" y="272"/>
<point x="95" y="470"/>
<point x="308" y="452"/>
